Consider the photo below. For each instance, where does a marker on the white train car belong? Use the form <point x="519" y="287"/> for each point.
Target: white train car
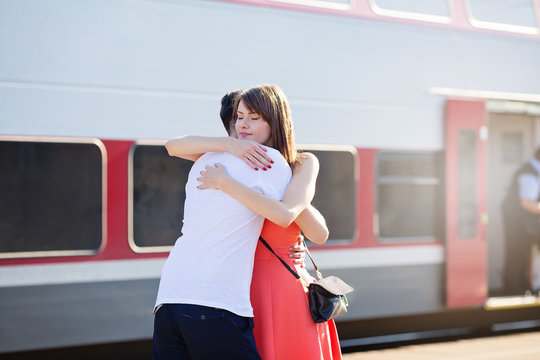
<point x="418" y="111"/>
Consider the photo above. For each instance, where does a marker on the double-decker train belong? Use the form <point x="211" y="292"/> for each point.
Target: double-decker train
<point x="419" y="112"/>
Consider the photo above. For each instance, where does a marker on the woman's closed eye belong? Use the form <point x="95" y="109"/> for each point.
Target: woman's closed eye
<point x="251" y="118"/>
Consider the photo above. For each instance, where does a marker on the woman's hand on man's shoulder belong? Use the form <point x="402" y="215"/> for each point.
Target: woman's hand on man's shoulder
<point x="251" y="152"/>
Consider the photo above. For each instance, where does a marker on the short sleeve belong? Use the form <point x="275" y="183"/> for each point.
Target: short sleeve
<point x="529" y="187"/>
<point x="274" y="181"/>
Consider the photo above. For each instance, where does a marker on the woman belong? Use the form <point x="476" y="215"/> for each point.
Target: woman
<point x="284" y="328"/>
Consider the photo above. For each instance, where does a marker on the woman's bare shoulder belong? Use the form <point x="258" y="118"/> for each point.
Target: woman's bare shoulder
<point x="307" y="158"/>
<point x="306" y="162"/>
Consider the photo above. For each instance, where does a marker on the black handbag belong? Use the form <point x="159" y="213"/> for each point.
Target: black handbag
<point x="327" y="298"/>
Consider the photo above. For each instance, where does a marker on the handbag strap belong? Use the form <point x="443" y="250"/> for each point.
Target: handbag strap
<point x="280" y="259"/>
<point x="319" y="275"/>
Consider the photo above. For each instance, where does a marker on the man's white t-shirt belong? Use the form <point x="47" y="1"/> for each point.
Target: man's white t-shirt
<point x="212" y="262"/>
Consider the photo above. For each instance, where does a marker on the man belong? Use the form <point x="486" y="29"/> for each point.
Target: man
<point x="202" y="308"/>
<point x="521" y="219"/>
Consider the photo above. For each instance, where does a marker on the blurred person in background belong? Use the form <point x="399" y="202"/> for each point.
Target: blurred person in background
<point x="521" y="220"/>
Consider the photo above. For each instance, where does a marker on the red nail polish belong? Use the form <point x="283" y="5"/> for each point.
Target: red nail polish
<point x="269" y="166"/>
<point x="271" y="162"/>
<point x="257" y="169"/>
<point x="264" y="169"/>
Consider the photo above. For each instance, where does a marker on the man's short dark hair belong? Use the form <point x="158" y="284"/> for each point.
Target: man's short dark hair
<point x="226" y="112"/>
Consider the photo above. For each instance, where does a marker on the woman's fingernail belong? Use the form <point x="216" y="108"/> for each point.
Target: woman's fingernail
<point x="269" y="166"/>
<point x="271" y="162"/>
<point x="264" y="169"/>
<point x="257" y="169"/>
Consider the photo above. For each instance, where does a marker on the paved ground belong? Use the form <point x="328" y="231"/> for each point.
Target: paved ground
<point x="525" y="346"/>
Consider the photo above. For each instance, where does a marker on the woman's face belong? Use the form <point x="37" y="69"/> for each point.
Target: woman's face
<point x="251" y="126"/>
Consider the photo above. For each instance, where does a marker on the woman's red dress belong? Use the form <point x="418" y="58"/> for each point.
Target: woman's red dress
<point x="284" y="328"/>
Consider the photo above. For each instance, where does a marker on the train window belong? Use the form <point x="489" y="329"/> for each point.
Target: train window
<point x="437" y="7"/>
<point x="328" y="4"/>
<point x="511" y="15"/>
<point x="433" y="10"/>
<point x="467" y="184"/>
<point x="157" y="195"/>
<point x="409" y="196"/>
<point x="51" y="198"/>
<point x="335" y="197"/>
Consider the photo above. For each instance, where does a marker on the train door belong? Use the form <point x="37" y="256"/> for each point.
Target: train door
<point x="466" y="218"/>
<point x="512" y="141"/>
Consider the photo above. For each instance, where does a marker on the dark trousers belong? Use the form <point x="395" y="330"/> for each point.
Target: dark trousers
<point x="517" y="261"/>
<point x="185" y="331"/>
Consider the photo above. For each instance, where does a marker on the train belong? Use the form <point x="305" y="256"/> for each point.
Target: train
<point x="419" y="112"/>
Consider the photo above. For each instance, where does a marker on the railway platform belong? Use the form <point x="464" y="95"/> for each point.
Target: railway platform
<point x="522" y="346"/>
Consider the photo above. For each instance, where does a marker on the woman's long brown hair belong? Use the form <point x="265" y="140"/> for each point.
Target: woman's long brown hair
<point x="272" y="105"/>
